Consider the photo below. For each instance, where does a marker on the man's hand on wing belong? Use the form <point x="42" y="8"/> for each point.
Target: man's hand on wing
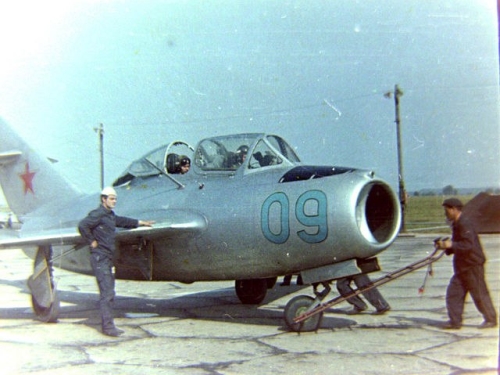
<point x="146" y="223"/>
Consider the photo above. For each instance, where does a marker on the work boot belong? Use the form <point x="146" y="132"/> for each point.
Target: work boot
<point x="381" y="311"/>
<point x="451" y="325"/>
<point x="487" y="324"/>
<point x="113" y="332"/>
<point x="354" y="311"/>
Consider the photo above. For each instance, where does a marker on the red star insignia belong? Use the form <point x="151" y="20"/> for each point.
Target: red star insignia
<point x="27" y="178"/>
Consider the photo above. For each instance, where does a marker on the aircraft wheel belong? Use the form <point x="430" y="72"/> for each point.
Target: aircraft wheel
<point x="47" y="314"/>
<point x="44" y="298"/>
<point x="298" y="306"/>
<point x="271" y="282"/>
<point x="251" y="292"/>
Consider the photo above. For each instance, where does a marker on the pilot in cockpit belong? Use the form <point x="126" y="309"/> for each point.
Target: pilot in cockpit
<point x="241" y="154"/>
<point x="184" y="165"/>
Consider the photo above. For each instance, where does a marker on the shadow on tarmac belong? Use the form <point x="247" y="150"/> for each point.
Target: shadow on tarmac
<point x="220" y="305"/>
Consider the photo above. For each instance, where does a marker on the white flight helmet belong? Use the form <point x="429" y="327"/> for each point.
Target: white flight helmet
<point x="107" y="191"/>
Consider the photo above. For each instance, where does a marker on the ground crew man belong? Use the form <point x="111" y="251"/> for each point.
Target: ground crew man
<point x="373" y="295"/>
<point x="98" y="230"/>
<point x="468" y="265"/>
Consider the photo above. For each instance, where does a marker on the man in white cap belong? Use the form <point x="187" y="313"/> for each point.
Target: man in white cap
<point x="98" y="230"/>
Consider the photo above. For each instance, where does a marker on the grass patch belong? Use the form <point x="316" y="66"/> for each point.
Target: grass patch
<point x="426" y="212"/>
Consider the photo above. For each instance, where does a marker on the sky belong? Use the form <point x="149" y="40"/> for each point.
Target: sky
<point x="313" y="72"/>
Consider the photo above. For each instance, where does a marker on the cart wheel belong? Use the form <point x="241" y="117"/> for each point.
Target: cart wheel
<point x="298" y="306"/>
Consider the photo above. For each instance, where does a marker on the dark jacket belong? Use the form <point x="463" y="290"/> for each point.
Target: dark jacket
<point x="466" y="248"/>
<point x="100" y="225"/>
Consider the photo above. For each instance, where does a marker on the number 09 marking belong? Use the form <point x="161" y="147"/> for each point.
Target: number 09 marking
<point x="310" y="211"/>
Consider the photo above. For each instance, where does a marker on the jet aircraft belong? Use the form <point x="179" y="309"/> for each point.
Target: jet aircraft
<point x="248" y="210"/>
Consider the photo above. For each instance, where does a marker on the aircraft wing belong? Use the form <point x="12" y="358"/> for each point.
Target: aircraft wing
<point x="177" y="223"/>
<point x="15" y="240"/>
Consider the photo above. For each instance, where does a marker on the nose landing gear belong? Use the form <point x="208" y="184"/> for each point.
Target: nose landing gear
<point x="304" y="313"/>
<point x="303" y="305"/>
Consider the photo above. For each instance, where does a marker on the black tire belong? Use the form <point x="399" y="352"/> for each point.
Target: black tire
<point x="271" y="282"/>
<point x="44" y="298"/>
<point x="251" y="292"/>
<point x="298" y="306"/>
<point x="44" y="314"/>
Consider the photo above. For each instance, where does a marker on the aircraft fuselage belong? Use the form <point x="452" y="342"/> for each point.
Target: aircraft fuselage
<point x="251" y="226"/>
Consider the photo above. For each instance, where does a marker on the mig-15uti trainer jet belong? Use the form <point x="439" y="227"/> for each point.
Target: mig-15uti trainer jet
<point x="248" y="210"/>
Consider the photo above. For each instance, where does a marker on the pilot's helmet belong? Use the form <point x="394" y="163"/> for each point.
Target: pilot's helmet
<point x="107" y="191"/>
<point x="243" y="149"/>
<point x="241" y="154"/>
<point x="184" y="161"/>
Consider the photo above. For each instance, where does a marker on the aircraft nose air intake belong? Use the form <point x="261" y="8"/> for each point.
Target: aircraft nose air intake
<point x="378" y="213"/>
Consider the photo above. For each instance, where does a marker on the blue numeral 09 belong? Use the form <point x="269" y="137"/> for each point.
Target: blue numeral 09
<point x="310" y="211"/>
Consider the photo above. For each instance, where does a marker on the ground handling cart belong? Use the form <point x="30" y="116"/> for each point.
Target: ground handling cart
<point x="304" y="313"/>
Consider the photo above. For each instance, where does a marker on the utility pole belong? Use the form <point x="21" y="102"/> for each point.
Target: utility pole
<point x="100" y="134"/>
<point x="402" y="192"/>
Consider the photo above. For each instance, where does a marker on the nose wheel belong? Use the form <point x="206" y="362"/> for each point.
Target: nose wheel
<point x="298" y="306"/>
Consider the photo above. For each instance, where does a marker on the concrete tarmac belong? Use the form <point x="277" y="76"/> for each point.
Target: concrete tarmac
<point x="201" y="328"/>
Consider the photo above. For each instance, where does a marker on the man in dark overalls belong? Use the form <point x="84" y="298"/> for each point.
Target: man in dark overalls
<point x="468" y="265"/>
<point x="98" y="230"/>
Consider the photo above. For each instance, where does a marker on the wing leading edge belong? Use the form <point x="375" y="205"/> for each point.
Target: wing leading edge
<point x="173" y="224"/>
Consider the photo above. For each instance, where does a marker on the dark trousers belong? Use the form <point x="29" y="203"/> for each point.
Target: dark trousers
<point x="102" y="267"/>
<point x="470" y="281"/>
<point x="373" y="295"/>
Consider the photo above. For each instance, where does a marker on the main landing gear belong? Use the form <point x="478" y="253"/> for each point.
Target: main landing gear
<point x="304" y="313"/>
<point x="253" y="291"/>
<point x="44" y="298"/>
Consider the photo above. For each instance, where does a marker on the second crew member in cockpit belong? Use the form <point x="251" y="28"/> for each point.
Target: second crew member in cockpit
<point x="241" y="154"/>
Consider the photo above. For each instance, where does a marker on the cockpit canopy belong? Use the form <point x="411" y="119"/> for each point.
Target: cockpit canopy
<point x="253" y="151"/>
<point x="163" y="160"/>
<point x="218" y="154"/>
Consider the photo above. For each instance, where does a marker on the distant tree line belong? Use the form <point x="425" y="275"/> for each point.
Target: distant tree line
<point x="451" y="190"/>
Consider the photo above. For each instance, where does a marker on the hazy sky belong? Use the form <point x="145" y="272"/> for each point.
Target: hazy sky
<point x="314" y="72"/>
